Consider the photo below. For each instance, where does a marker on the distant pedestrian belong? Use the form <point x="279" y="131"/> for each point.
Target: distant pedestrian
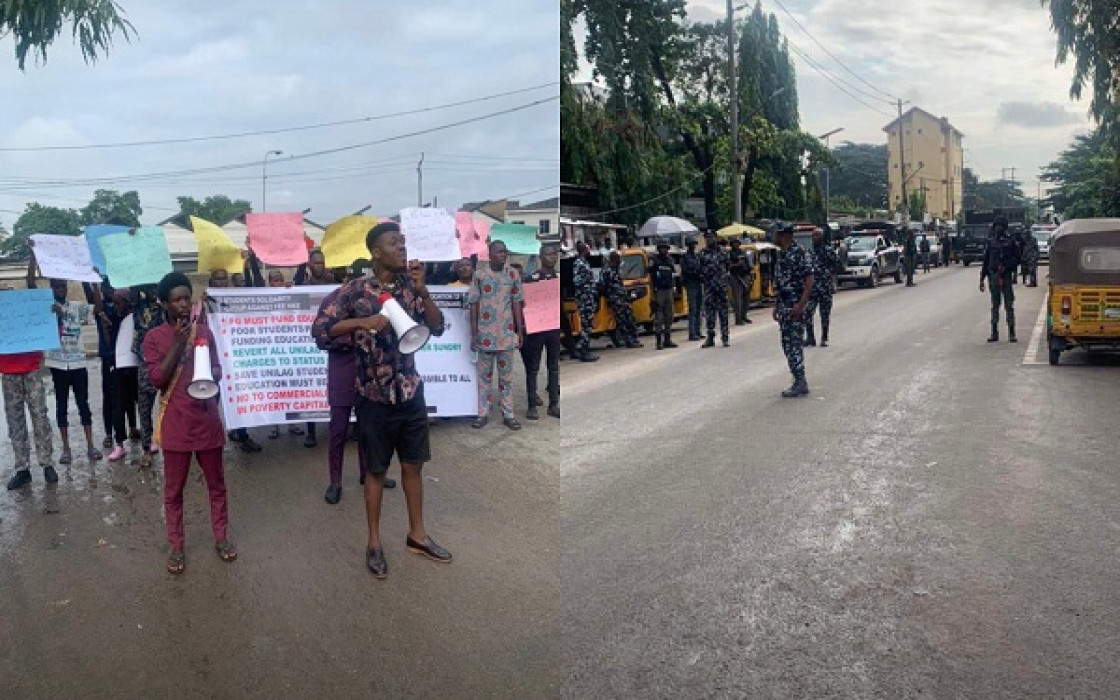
<point x="587" y="300"/>
<point x="498" y="331"/>
<point x="825" y="261"/>
<point x="186" y="427"/>
<point x="662" y="276"/>
<point x="1030" y="259"/>
<point x="619" y="301"/>
<point x="23" y="394"/>
<point x="739" y="272"/>
<point x="923" y="249"/>
<point x="543" y="342"/>
<point x="1001" y="261"/>
<point x="910" y="256"/>
<point x="714" y="271"/>
<point x="794" y="286"/>
<point x="693" y="288"/>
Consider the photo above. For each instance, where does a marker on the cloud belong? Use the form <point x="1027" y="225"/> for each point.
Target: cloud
<point x="1035" y="115"/>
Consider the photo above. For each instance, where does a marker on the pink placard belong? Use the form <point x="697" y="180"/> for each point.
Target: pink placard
<point x="542" y="305"/>
<point x="278" y="239"/>
<point x="473" y="235"/>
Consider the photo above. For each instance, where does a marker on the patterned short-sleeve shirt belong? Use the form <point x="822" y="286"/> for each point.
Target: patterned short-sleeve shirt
<point x="495" y="292"/>
<point x="385" y="375"/>
<point x="70" y="354"/>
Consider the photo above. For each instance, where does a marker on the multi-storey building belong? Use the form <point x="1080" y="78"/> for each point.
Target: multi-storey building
<point x="934" y="161"/>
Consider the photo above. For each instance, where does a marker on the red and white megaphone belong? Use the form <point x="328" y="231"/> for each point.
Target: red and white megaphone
<point x="202" y="384"/>
<point x="410" y="334"/>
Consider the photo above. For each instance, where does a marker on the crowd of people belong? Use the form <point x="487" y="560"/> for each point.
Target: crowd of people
<point x="145" y="340"/>
<point x="716" y="281"/>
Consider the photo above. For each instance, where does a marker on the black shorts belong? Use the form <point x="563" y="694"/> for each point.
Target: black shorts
<point x="385" y="429"/>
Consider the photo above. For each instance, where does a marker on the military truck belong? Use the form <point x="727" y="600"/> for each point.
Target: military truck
<point x="972" y="237"/>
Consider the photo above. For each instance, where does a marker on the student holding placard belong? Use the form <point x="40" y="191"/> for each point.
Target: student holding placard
<point x="23" y="391"/>
<point x="541" y="342"/>
<point x="147" y="313"/>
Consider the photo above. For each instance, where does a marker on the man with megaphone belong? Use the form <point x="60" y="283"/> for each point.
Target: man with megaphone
<point x="389" y="313"/>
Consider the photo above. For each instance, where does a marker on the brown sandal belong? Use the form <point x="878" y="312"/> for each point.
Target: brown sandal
<point x="226" y="551"/>
<point x="176" y="563"/>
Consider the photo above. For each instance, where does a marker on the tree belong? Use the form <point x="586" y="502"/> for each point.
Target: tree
<point x="35" y="24"/>
<point x="917" y="206"/>
<point x="1087" y="31"/>
<point x="37" y="218"/>
<point x="112" y="207"/>
<point x="860" y="175"/>
<point x="217" y="208"/>
<point x="1086" y="179"/>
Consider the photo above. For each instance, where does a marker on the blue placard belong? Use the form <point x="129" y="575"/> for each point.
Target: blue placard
<point x="93" y="235"/>
<point x="27" y="322"/>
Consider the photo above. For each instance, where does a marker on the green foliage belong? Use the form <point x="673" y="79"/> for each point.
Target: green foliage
<point x="112" y="207"/>
<point x="860" y="175"/>
<point x="37" y="218"/>
<point x="987" y="195"/>
<point x="917" y="206"/>
<point x="218" y="208"/>
<point x="1087" y="31"/>
<point x="35" y="24"/>
<point x="1085" y="179"/>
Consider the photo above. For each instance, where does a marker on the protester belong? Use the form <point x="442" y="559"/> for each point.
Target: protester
<point x="464" y="272"/>
<point x="221" y="279"/>
<point x="392" y="413"/>
<point x="147" y="314"/>
<point x="107" y="324"/>
<point x="543" y="341"/>
<point x="23" y="390"/>
<point x="275" y="280"/>
<point x="186" y="426"/>
<point x="314" y="272"/>
<point x="68" y="368"/>
<point x="342" y="377"/>
<point x="497" y="331"/>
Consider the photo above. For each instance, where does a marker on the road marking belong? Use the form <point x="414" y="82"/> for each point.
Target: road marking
<point x="1031" y="356"/>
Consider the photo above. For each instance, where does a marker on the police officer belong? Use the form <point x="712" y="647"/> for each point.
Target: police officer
<point x="586" y="300"/>
<point x="619" y="301"/>
<point x="923" y="248"/>
<point x="713" y="270"/>
<point x="662" y="278"/>
<point x="1001" y="260"/>
<point x="740" y="276"/>
<point x="825" y="261"/>
<point x="794" y="285"/>
<point x="694" y="288"/>
<point x="1030" y="259"/>
<point x="910" y="253"/>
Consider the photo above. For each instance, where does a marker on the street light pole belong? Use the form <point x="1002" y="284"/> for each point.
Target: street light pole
<point x="420" y="181"/>
<point x="828" y="175"/>
<point x="264" y="178"/>
<point x="734" y="90"/>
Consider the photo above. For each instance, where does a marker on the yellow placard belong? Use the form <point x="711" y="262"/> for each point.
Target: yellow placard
<point x="345" y="240"/>
<point x="215" y="250"/>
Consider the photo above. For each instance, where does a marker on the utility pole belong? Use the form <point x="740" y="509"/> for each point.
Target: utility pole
<point x="420" y="181"/>
<point x="734" y="90"/>
<point x="902" y="166"/>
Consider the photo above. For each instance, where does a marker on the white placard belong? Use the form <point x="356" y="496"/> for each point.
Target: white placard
<point x="273" y="373"/>
<point x="64" y="257"/>
<point x="429" y="234"/>
<point x="125" y="356"/>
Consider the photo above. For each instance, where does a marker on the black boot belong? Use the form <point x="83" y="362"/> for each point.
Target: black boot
<point x="824" y="334"/>
<point x="668" y="343"/>
<point x="810" y="337"/>
<point x="994" y="337"/>
<point x="1011" y="333"/>
<point x="658" y="337"/>
<point x="710" y="342"/>
<point x="586" y="356"/>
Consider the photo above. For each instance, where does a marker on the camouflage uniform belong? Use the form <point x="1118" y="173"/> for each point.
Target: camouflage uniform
<point x="586" y="301"/>
<point x="824" y="262"/>
<point x="713" y="270"/>
<point x="620" y="306"/>
<point x="27" y="390"/>
<point x="794" y="266"/>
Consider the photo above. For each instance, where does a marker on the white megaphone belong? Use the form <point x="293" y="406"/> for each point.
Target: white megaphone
<point x="202" y="384"/>
<point x="411" y="335"/>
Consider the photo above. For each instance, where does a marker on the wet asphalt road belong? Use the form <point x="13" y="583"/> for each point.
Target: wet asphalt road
<point x="938" y="519"/>
<point x="87" y="609"/>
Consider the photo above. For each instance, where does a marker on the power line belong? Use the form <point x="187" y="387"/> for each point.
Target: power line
<point x="822" y="47"/>
<point x="265" y="132"/>
<point x="801" y="52"/>
<point x="652" y="199"/>
<point x="253" y="164"/>
<point x="838" y="86"/>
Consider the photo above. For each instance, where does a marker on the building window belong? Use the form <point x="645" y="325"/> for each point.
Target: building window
<point x="517" y="222"/>
<point x="544" y="226"/>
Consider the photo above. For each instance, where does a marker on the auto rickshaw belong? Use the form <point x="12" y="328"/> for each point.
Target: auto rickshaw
<point x="1083" y="301"/>
<point x="635" y="278"/>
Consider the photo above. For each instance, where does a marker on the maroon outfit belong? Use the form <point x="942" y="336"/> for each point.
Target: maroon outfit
<point x="342" y="378"/>
<point x="189" y="426"/>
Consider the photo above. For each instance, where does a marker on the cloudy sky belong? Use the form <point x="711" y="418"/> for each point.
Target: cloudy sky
<point x="210" y="68"/>
<point x="987" y="65"/>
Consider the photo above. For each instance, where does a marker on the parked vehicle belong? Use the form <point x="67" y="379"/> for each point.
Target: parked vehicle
<point x="870" y="258"/>
<point x="973" y="235"/>
<point x="1042" y="234"/>
<point x="1084" y="296"/>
